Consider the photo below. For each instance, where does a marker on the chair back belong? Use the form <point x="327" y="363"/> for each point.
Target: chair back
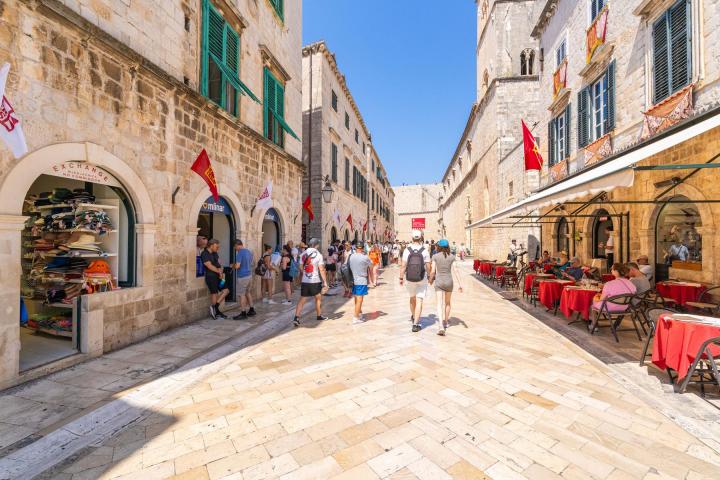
<point x="653" y="314"/>
<point x="624" y="300"/>
<point x="711" y="295"/>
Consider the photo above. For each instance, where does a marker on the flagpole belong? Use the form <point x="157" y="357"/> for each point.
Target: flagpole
<point x="180" y="182"/>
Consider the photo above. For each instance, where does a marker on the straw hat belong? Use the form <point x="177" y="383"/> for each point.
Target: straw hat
<point x="79" y="239"/>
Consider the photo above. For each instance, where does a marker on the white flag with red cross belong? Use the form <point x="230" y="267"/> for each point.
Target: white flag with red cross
<point x="10" y="127"/>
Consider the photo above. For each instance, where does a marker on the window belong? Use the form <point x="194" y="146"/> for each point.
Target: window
<point x="373" y="164"/>
<point x="357" y="137"/>
<point x="559" y="137"/>
<point x="372" y="194"/>
<point x="595" y="7"/>
<point x="347" y="174"/>
<point x="274" y="107"/>
<point x="527" y="58"/>
<point x="279" y="6"/>
<point x="678" y="236"/>
<point x="363" y="147"/>
<point x="596" y="108"/>
<point x="672" y="43"/>
<point x="560" y="54"/>
<point x="562" y="240"/>
<point x="334" y="100"/>
<point x="347" y="121"/>
<point x="220" y="58"/>
<point x="334" y="160"/>
<point x="510" y="189"/>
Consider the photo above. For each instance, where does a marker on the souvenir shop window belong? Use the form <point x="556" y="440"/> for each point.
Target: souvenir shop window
<point x="679" y="242"/>
<point x="79" y="239"/>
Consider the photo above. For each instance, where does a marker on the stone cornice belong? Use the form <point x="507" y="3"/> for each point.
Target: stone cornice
<point x="545" y="15"/>
<point x="321" y="47"/>
<point x="55" y="10"/>
<point x="270" y="59"/>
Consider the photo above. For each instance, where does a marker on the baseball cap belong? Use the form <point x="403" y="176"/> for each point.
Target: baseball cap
<point x="443" y="243"/>
<point x="359" y="245"/>
<point x="416" y="234"/>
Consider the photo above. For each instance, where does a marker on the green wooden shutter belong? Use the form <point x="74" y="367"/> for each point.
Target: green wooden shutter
<point x="551" y="142"/>
<point x="567" y="130"/>
<point x="680" y="45"/>
<point x="232" y="49"/>
<point x="610" y="82"/>
<point x="661" y="64"/>
<point x="216" y="30"/>
<point x="583" y="117"/>
<point x="334" y="156"/>
<point x="268" y="103"/>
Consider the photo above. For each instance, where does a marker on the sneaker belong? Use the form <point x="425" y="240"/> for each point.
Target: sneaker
<point x="441" y="332"/>
<point x="212" y="312"/>
<point x="265" y="300"/>
<point x="287" y="302"/>
<point x="357" y="321"/>
<point x="240" y="316"/>
<point x="415" y="328"/>
<point x="320" y="318"/>
<point x="296" y="322"/>
<point x="220" y="314"/>
<point x="272" y="302"/>
<point x="251" y="312"/>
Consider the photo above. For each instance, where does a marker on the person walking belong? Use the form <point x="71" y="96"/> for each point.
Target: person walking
<point x="444" y="276"/>
<point x="385" y="254"/>
<point x="414" y="274"/>
<point x="347" y="251"/>
<point x="242" y="266"/>
<point x="314" y="280"/>
<point x="214" y="277"/>
<point x="265" y="270"/>
<point x="285" y="269"/>
<point x="360" y="266"/>
<point x="374" y="255"/>
<point x="330" y="265"/>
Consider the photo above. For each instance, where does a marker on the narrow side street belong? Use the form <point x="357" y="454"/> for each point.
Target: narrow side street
<point x="501" y="396"/>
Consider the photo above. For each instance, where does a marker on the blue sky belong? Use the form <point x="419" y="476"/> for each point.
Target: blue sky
<point x="410" y="66"/>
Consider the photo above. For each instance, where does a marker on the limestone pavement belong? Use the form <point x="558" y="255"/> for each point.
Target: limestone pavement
<point x="501" y="396"/>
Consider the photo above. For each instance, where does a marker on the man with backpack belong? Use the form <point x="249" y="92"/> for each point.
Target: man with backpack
<point x="243" y="264"/>
<point x="355" y="276"/>
<point x="314" y="282"/>
<point x="414" y="274"/>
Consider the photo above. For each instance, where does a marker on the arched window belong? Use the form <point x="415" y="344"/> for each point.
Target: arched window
<point x="527" y="60"/>
<point x="601" y="223"/>
<point x="563" y="236"/>
<point x="678" y="238"/>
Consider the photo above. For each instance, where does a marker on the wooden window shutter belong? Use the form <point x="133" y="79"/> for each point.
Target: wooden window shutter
<point x="680" y="45"/>
<point x="661" y="64"/>
<point x="269" y="101"/>
<point x="232" y="49"/>
<point x="279" y="99"/>
<point x="216" y="33"/>
<point x="610" y="82"/>
<point x="567" y="130"/>
<point x="551" y="142"/>
<point x="583" y="126"/>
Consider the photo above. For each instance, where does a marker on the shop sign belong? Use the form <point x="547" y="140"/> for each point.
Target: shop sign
<point x="211" y="206"/>
<point x="83" y="171"/>
<point x="418" y="223"/>
<point x="272" y="216"/>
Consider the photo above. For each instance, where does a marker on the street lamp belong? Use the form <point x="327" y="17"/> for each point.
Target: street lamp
<point x="327" y="190"/>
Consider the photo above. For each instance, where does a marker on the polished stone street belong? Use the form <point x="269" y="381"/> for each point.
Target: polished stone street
<point x="501" y="396"/>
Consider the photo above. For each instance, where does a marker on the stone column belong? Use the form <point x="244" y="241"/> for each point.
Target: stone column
<point x="11" y="227"/>
<point x="146" y="254"/>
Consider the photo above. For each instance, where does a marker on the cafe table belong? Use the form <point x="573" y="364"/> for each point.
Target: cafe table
<point x="476" y="265"/>
<point x="678" y="342"/>
<point x="577" y="299"/>
<point x="500" y="270"/>
<point x="681" y="292"/>
<point x="486" y="268"/>
<point x="549" y="291"/>
<point x="530" y="277"/>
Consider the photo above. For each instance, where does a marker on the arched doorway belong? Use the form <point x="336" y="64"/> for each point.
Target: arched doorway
<point x="601" y="223"/>
<point x="347" y="235"/>
<point x="217" y="220"/>
<point x="677" y="236"/>
<point x="562" y="234"/>
<point x="333" y="235"/>
<point x="357" y="235"/>
<point x="79" y="240"/>
<point x="272" y="229"/>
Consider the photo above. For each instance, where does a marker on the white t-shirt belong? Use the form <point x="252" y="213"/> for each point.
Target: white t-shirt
<point x="609" y="245"/>
<point x="310" y="263"/>
<point x="415" y="247"/>
<point x="646" y="270"/>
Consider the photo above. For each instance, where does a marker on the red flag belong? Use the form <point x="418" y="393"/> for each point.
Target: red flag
<point x="533" y="159"/>
<point x="307" y="205"/>
<point x="365" y="226"/>
<point x="349" y="220"/>
<point x="203" y="168"/>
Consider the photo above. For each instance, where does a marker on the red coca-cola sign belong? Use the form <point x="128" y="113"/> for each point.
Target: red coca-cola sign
<point x="418" y="224"/>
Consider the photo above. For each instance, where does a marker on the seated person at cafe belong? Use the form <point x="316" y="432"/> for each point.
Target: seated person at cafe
<point x="561" y="265"/>
<point x="574" y="271"/>
<point x="545" y="259"/>
<point x="642" y="284"/>
<point x="619" y="286"/>
<point x="644" y="266"/>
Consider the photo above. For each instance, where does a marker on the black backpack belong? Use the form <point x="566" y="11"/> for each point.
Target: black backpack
<point x="346" y="274"/>
<point x="415" y="265"/>
<point x="261" y="268"/>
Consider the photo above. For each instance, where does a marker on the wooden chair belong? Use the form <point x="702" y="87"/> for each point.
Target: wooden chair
<point x="509" y="278"/>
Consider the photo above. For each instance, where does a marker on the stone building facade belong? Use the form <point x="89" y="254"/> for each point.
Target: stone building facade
<point x="123" y="90"/>
<point x="422" y="203"/>
<point x="486" y="172"/>
<point x="650" y="116"/>
<point x="339" y="147"/>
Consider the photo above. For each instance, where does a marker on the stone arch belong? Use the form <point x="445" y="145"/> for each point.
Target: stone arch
<point x="527" y="61"/>
<point x="281" y="210"/>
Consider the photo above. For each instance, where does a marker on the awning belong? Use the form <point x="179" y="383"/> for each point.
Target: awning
<point x="614" y="172"/>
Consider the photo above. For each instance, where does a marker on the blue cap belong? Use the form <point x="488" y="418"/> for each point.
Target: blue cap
<point x="443" y="243"/>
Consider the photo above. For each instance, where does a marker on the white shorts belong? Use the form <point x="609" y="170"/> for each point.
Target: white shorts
<point x="417" y="289"/>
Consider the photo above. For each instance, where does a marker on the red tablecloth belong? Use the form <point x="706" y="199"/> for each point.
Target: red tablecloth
<point x="529" y="277"/>
<point x="577" y="300"/>
<point x="549" y="266"/>
<point x="607" y="277"/>
<point x="485" y="268"/>
<point x="500" y="270"/>
<point x="549" y="291"/>
<point x="676" y="343"/>
<point x="681" y="293"/>
<point x="476" y="265"/>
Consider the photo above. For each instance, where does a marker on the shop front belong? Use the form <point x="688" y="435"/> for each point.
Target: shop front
<point x="272" y="230"/>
